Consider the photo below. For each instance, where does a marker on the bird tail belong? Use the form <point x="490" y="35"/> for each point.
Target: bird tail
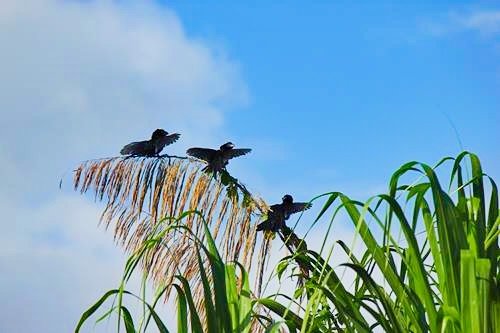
<point x="132" y="148"/>
<point x="266" y="225"/>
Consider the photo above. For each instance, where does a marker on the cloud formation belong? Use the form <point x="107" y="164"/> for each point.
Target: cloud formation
<point x="79" y="80"/>
<point x="485" y="22"/>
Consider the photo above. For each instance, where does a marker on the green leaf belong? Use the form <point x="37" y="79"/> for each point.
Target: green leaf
<point x="127" y="319"/>
<point x="280" y="269"/>
<point x="90" y="311"/>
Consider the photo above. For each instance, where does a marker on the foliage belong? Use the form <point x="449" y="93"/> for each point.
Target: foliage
<point x="227" y="304"/>
<point x="431" y="264"/>
<point x="444" y="279"/>
<point x="139" y="192"/>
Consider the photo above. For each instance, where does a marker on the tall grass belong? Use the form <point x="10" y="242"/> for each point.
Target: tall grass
<point x="227" y="304"/>
<point x="435" y="268"/>
<point x="139" y="192"/>
<point x="431" y="264"/>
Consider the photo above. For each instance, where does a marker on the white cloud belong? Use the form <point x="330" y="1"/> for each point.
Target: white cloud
<point x="79" y="80"/>
<point x="485" y="22"/>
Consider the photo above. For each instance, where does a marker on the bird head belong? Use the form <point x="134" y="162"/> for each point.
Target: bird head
<point x="227" y="146"/>
<point x="159" y="133"/>
<point x="287" y="198"/>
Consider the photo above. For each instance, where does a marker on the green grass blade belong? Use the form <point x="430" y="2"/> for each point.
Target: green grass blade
<point x="211" y="316"/>
<point x="293" y="321"/>
<point x="90" y="311"/>
<point x="219" y="274"/>
<point x="127" y="319"/>
<point x="470" y="318"/>
<point x="195" y="321"/>
<point x="182" y="312"/>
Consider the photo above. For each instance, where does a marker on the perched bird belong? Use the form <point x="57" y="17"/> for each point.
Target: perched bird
<point x="217" y="160"/>
<point x="150" y="148"/>
<point x="279" y="213"/>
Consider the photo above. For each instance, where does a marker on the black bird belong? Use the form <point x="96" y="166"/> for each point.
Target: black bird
<point x="217" y="160"/>
<point x="150" y="148"/>
<point x="279" y="213"/>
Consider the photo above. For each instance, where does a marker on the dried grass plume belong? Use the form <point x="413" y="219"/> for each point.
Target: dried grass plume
<point x="140" y="193"/>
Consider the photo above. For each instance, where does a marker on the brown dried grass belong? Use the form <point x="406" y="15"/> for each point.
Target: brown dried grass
<point x="139" y="193"/>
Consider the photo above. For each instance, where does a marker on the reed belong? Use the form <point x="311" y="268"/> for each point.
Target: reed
<point x="139" y="192"/>
<point x="431" y="262"/>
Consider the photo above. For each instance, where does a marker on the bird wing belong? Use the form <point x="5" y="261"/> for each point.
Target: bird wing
<point x="135" y="148"/>
<point x="236" y="152"/>
<point x="205" y="154"/>
<point x="299" y="207"/>
<point x="169" y="139"/>
<point x="275" y="208"/>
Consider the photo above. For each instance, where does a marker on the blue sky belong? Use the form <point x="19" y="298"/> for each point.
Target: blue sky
<point x="349" y="92"/>
<point x="331" y="97"/>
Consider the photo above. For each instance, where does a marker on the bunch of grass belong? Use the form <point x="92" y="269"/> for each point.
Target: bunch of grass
<point x="431" y="262"/>
<point x="226" y="306"/>
<point x="139" y="192"/>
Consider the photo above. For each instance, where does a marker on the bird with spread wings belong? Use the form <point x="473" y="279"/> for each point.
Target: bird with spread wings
<point x="217" y="159"/>
<point x="150" y="148"/>
<point x="279" y="213"/>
